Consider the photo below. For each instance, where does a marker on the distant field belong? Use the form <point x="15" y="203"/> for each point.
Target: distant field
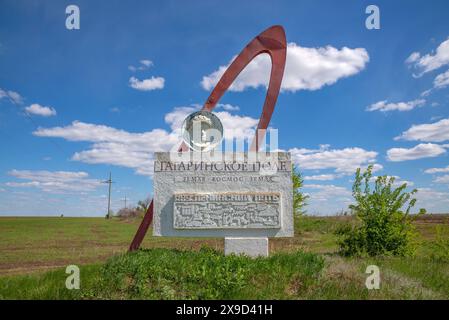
<point x="306" y="266"/>
<point x="35" y="244"/>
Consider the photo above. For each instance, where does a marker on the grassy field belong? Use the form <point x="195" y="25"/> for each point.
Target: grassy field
<point x="35" y="252"/>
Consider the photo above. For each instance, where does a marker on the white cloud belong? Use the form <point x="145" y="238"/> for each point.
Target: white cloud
<point x="384" y="106"/>
<point x="434" y="118"/>
<point x="442" y="80"/>
<point x="228" y="107"/>
<point x="321" y="177"/>
<point x="429" y="132"/>
<point x="344" y="161"/>
<point x="234" y="126"/>
<point x="437" y="170"/>
<point x="39" y="110"/>
<point x="442" y="179"/>
<point x="327" y="199"/>
<point x="135" y="150"/>
<point x="434" y="201"/>
<point x="15" y="97"/>
<point x="328" y="191"/>
<point x="176" y="117"/>
<point x="413" y="57"/>
<point x="54" y="181"/>
<point x="423" y="150"/>
<point x="426" y="93"/>
<point x="12" y="96"/>
<point x="430" y="62"/>
<point x="306" y="69"/>
<point x="152" y="83"/>
<point x="144" y="64"/>
<point x="114" y="146"/>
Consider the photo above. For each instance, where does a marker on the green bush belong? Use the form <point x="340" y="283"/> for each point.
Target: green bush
<point x="299" y="198"/>
<point x="382" y="226"/>
<point x="440" y="245"/>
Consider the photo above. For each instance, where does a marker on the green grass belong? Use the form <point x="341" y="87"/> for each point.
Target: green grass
<point x="304" y="267"/>
<point x="35" y="244"/>
<point x="176" y="274"/>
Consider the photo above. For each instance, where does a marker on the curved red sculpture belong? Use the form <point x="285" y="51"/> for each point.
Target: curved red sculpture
<point x="271" y="41"/>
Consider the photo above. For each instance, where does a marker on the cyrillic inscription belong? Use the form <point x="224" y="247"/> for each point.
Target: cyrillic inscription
<point x="227" y="210"/>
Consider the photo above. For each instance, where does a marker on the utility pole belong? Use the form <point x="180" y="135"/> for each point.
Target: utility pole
<point x="108" y="215"/>
<point x="125" y="203"/>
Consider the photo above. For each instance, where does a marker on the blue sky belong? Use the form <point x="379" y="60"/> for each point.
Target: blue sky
<point x="76" y="104"/>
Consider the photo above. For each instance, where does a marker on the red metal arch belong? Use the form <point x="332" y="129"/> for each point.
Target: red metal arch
<point x="271" y="41"/>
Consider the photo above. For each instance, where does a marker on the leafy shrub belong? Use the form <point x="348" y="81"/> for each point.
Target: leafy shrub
<point x="299" y="198"/>
<point x="440" y="246"/>
<point x="382" y="226"/>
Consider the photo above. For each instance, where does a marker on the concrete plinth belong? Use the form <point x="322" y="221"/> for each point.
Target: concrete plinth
<point x="252" y="247"/>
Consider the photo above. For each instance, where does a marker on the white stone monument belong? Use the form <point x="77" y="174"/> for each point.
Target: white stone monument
<point x="243" y="197"/>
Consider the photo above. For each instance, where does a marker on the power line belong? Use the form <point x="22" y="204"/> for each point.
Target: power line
<point x="125" y="202"/>
<point x="110" y="182"/>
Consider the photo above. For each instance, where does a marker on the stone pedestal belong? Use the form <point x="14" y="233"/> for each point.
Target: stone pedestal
<point x="245" y="198"/>
<point x="252" y="247"/>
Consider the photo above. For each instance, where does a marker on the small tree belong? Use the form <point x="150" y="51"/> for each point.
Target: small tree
<point x="128" y="213"/>
<point x="299" y="198"/>
<point x="143" y="205"/>
<point x="383" y="227"/>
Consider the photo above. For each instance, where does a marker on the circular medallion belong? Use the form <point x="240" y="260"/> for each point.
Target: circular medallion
<point x="202" y="131"/>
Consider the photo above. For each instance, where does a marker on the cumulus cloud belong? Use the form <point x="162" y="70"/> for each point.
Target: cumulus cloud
<point x="423" y="150"/>
<point x="306" y="69"/>
<point x="152" y="83"/>
<point x="147" y="63"/>
<point x="143" y="65"/>
<point x="321" y="177"/>
<point x="228" y="107"/>
<point x="433" y="200"/>
<point x="241" y="127"/>
<point x="12" y="96"/>
<point x="437" y="170"/>
<point x="54" y="181"/>
<point x="114" y="146"/>
<point x="39" y="110"/>
<point x="327" y="199"/>
<point x="234" y="126"/>
<point x="442" y="80"/>
<point x="328" y="191"/>
<point x="430" y="62"/>
<point x="413" y="57"/>
<point x="442" y="179"/>
<point x="176" y="117"/>
<point x="344" y="161"/>
<point x="384" y="106"/>
<point x="429" y="132"/>
<point x="135" y="150"/>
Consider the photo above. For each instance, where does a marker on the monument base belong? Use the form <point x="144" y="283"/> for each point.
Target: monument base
<point x="252" y="247"/>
